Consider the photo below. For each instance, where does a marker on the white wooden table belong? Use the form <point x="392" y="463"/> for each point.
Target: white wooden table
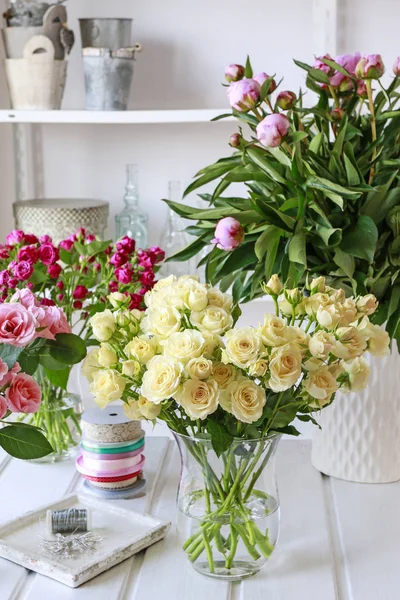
<point x="338" y="540"/>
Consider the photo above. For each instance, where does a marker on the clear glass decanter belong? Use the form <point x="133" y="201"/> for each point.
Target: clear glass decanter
<point x="174" y="238"/>
<point x="132" y="221"/>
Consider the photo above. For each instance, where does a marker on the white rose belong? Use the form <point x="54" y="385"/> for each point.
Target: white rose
<point x="141" y="348"/>
<point x="328" y="316"/>
<point x="348" y="312"/>
<point x="337" y="295"/>
<point x="259" y="368"/>
<point x="284" y="367"/>
<point x="161" y="379"/>
<point x="198" y="398"/>
<point x="287" y="309"/>
<point x="274" y="331"/>
<point x="317" y="285"/>
<point x="91" y="364"/>
<point x="184" y="345"/>
<point x="298" y="336"/>
<point x="160" y="285"/>
<point x="199" y="368"/>
<point x="358" y="374"/>
<point x="212" y="343"/>
<point x="320" y="385"/>
<point x="243" y="346"/>
<point x="212" y="319"/>
<point x="273" y="286"/>
<point x="224" y="374"/>
<point x="131" y="368"/>
<point x="321" y="344"/>
<point x="125" y="318"/>
<point x="198" y="297"/>
<point x="117" y="299"/>
<point x="377" y="338"/>
<point x="314" y="302"/>
<point x="246" y="400"/>
<point x="218" y="298"/>
<point x="141" y="408"/>
<point x="367" y="305"/>
<point x="106" y="356"/>
<point x="103" y="325"/>
<point x="162" y="321"/>
<point x="350" y="343"/>
<point x="107" y="386"/>
<point x="336" y="368"/>
<point x="132" y="410"/>
<point x="312" y="364"/>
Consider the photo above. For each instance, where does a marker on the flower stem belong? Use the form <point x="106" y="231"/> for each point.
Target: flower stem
<point x="368" y="84"/>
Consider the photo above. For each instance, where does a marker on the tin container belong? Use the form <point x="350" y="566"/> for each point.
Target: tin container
<point x="106" y="33"/>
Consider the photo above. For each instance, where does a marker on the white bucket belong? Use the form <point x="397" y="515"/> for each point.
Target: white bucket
<point x="37" y="81"/>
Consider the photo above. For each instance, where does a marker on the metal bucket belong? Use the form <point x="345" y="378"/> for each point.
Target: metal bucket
<point x="106" y="33"/>
<point x="108" y="77"/>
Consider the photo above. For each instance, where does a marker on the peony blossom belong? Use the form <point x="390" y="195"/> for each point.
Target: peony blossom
<point x="244" y="95"/>
<point x="272" y="129"/>
<point x="321" y="66"/>
<point x="24" y="394"/>
<point x="234" y="73"/>
<point x="229" y="234"/>
<point x="17" y="325"/>
<point x="370" y="67"/>
<point x="261" y="78"/>
<point x="396" y="67"/>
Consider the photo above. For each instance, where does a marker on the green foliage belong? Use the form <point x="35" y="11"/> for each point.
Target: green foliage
<point x="24" y="442"/>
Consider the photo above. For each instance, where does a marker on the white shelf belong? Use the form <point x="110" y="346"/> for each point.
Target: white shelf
<point x="129" y="117"/>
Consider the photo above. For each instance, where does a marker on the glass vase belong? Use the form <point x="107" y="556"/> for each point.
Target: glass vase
<point x="228" y="506"/>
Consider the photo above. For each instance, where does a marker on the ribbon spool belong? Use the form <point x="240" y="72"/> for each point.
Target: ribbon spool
<point x="109" y="426"/>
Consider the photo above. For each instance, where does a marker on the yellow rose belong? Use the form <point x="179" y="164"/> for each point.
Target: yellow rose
<point x="198" y="297"/>
<point x="131" y="368"/>
<point x="141" y="408"/>
<point x="161" y="284"/>
<point x="298" y="336"/>
<point x="212" y="319"/>
<point x="336" y="368"/>
<point x="337" y="295"/>
<point x="220" y="299"/>
<point x="224" y="374"/>
<point x="106" y="356"/>
<point x="117" y="299"/>
<point x="184" y="345"/>
<point x="103" y="325"/>
<point x="348" y="312"/>
<point x="259" y="368"/>
<point x="317" y="285"/>
<point x="367" y="305"/>
<point x="246" y="400"/>
<point x="132" y="410"/>
<point x="314" y="302"/>
<point x="198" y="398"/>
<point x="284" y="367"/>
<point x="274" y="331"/>
<point x="212" y="343"/>
<point x="161" y="379"/>
<point x="162" y="321"/>
<point x="141" y="348"/>
<point x="273" y="286"/>
<point x="350" y="343"/>
<point x="377" y="338"/>
<point x="328" y="316"/>
<point x="243" y="346"/>
<point x="91" y="364"/>
<point x="125" y="318"/>
<point x="358" y="374"/>
<point x="320" y="385"/>
<point x="321" y="344"/>
<point x="312" y="364"/>
<point x="107" y="386"/>
<point x="199" y="368"/>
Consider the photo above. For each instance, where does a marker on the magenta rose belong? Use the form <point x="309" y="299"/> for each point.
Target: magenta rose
<point x="66" y="245"/>
<point x="229" y="234"/>
<point x="4" y="277"/>
<point x="286" y="100"/>
<point x="23" y="395"/>
<point x="144" y="259"/>
<point x="261" y="78"/>
<point x="4" y="252"/>
<point x="29" y="238"/>
<point x="146" y="278"/>
<point x="29" y="253"/>
<point x="135" y="302"/>
<point x="45" y="239"/>
<point x="118" y="259"/>
<point x="17" y="325"/>
<point x="15" y="237"/>
<point x="23" y="270"/>
<point x="113" y="286"/>
<point x="54" y="270"/>
<point x="244" y="95"/>
<point x="272" y="130"/>
<point x="126" y="245"/>
<point x="396" y="67"/>
<point x="234" y="73"/>
<point x="48" y="254"/>
<point x="90" y="238"/>
<point x="12" y="282"/>
<point x="80" y="292"/>
<point x="370" y="67"/>
<point x="124" y="274"/>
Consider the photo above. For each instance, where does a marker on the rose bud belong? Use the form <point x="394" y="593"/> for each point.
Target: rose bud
<point x="370" y="67"/>
<point x="274" y="286"/>
<point x="54" y="271"/>
<point x="47" y="302"/>
<point x="337" y="114"/>
<point x="90" y="238"/>
<point x="60" y="297"/>
<point x="12" y="282"/>
<point x="262" y="78"/>
<point x="235" y="140"/>
<point x="229" y="234"/>
<point x="396" y="67"/>
<point x="361" y="89"/>
<point x="45" y="239"/>
<point x="80" y="292"/>
<point x="66" y="245"/>
<point x="321" y="66"/>
<point x="77" y="304"/>
<point x="244" y="95"/>
<point x="60" y="285"/>
<point x="272" y="129"/>
<point x="126" y="245"/>
<point x="234" y="73"/>
<point x="113" y="286"/>
<point x="286" y="100"/>
<point x="118" y="259"/>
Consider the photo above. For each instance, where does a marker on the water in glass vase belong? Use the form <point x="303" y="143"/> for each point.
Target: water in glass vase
<point x="174" y="237"/>
<point x="132" y="221"/>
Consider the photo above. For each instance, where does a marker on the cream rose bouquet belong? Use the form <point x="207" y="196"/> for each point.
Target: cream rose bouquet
<point x="184" y="362"/>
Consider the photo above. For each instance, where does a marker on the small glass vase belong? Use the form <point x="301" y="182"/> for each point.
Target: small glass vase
<point x="228" y="506"/>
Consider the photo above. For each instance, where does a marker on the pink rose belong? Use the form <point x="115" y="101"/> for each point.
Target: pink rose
<point x="396" y="67"/>
<point x="17" y="325"/>
<point x="3" y="371"/>
<point x="7" y="379"/>
<point x="262" y="78"/>
<point x="144" y="259"/>
<point x="26" y="298"/>
<point x="124" y="274"/>
<point x="286" y="100"/>
<point x="370" y="67"/>
<point x="23" y="270"/>
<point x="90" y="238"/>
<point x="118" y="259"/>
<point x="3" y="406"/>
<point x="126" y="244"/>
<point x="80" y="292"/>
<point x="66" y="245"/>
<point x="15" y="237"/>
<point x="229" y="234"/>
<point x="24" y="394"/>
<point x="147" y="278"/>
<point x="244" y="95"/>
<point x="54" y="270"/>
<point x="28" y="253"/>
<point x="46" y="239"/>
<point x="234" y="73"/>
<point x="48" y="254"/>
<point x="4" y="277"/>
<point x="57" y="320"/>
<point x="29" y="238"/>
<point x="272" y="129"/>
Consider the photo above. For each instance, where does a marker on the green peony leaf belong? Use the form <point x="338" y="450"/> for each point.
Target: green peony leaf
<point x="360" y="239"/>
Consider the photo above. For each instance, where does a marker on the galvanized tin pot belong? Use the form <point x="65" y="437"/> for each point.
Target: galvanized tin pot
<point x="106" y="33"/>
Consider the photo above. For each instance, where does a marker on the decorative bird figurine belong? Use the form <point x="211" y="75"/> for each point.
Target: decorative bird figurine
<point x="67" y="38"/>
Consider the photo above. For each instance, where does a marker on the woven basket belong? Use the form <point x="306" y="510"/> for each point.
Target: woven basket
<point x="60" y="218"/>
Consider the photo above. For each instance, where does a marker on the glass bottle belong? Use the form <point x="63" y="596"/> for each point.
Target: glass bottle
<point x="132" y="221"/>
<point x="174" y="238"/>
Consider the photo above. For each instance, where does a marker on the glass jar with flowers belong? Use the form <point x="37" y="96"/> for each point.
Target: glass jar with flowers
<point x="228" y="394"/>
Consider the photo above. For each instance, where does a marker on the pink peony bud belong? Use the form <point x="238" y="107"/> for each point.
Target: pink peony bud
<point x="286" y="100"/>
<point x="54" y="271"/>
<point x="229" y="234"/>
<point x="244" y="95"/>
<point x="396" y="67"/>
<point x="234" y="73"/>
<point x="15" y="237"/>
<point x="348" y="62"/>
<point x="80" y="292"/>
<point x="272" y="130"/>
<point x="337" y="114"/>
<point x="370" y="67"/>
<point x="235" y="140"/>
<point x="362" y="89"/>
<point x="262" y="78"/>
<point x="321" y="66"/>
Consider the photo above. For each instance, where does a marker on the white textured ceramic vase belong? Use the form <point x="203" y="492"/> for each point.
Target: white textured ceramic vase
<point x="360" y="435"/>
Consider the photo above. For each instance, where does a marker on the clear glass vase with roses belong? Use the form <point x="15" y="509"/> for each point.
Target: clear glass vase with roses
<point x="228" y="394"/>
<point x="33" y="339"/>
<point x="76" y="275"/>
